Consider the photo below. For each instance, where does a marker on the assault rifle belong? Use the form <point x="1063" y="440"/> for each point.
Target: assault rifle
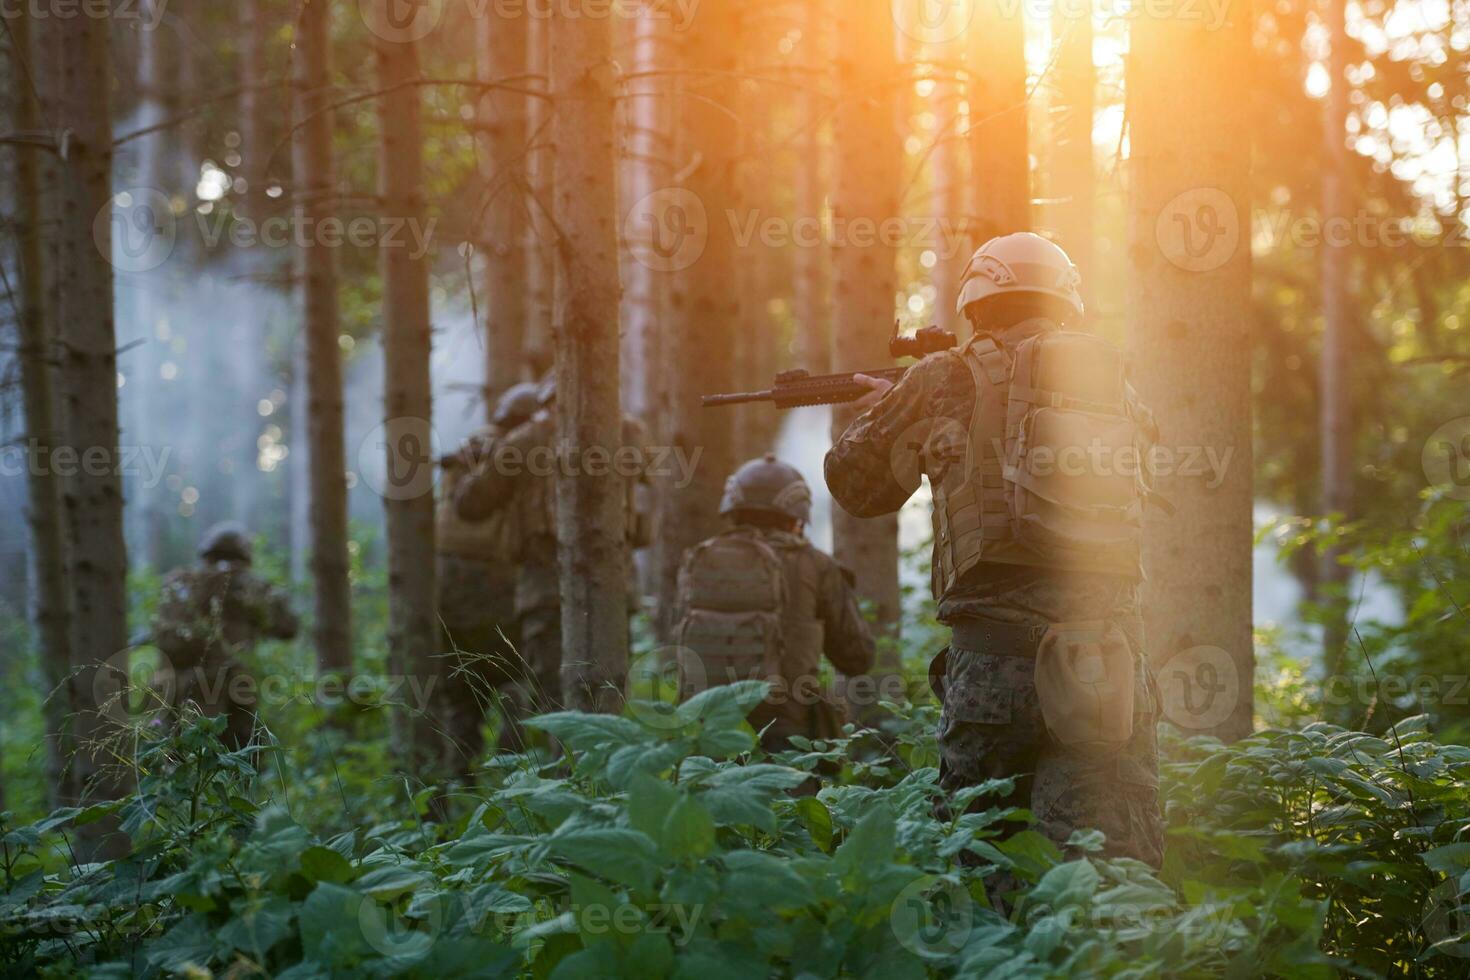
<point x="794" y="389"/>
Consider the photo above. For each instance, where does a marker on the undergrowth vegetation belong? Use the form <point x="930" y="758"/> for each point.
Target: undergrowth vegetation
<point x="664" y="844"/>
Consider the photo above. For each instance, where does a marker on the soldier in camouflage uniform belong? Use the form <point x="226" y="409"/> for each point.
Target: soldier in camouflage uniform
<point x="479" y="639"/>
<point x="518" y="481"/>
<point x="759" y="602"/>
<point x="998" y="597"/>
<point x="209" y="617"/>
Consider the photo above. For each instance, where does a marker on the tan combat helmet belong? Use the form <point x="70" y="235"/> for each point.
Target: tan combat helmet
<point x="1020" y="263"/>
<point x="518" y="404"/>
<point x="226" y="541"/>
<point x="768" y="485"/>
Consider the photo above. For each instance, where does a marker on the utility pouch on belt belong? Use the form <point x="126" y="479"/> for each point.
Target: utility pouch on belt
<point x="1085" y="679"/>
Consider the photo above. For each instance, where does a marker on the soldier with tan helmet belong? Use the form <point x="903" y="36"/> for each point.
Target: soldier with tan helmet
<point x="759" y="602"/>
<point x="1033" y="444"/>
<point x="209" y="618"/>
<point x="479" y="638"/>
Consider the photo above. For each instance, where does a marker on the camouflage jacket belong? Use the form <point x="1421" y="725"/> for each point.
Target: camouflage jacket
<point x="214" y="611"/>
<point x="876" y="466"/>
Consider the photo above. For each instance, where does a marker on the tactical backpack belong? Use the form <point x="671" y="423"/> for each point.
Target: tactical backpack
<point x="733" y="595"/>
<point x="1076" y="450"/>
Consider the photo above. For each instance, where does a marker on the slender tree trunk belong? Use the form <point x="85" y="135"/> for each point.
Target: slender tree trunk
<point x="998" y="121"/>
<point x="1189" y="307"/>
<point x="869" y="172"/>
<point x="75" y="53"/>
<point x="1072" y="193"/>
<point x="502" y="120"/>
<point x="950" y="175"/>
<point x="813" y="271"/>
<point x="408" y="500"/>
<point x="590" y="497"/>
<point x="541" y="180"/>
<point x="255" y="103"/>
<point x="316" y="188"/>
<point x="704" y="303"/>
<point x="1337" y="328"/>
<point x="50" y="595"/>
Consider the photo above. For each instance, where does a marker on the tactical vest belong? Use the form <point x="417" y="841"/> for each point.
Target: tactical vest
<point x="976" y="516"/>
<point x="750" y="613"/>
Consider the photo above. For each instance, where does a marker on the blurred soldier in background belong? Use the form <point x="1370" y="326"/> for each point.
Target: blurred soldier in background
<point x="209" y="618"/>
<point x="759" y="602"/>
<point x="518" y="480"/>
<point x="1036" y="562"/>
<point x="477" y="583"/>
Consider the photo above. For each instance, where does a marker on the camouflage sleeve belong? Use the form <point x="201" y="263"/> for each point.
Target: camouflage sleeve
<point x="491" y="484"/>
<point x="848" y="642"/>
<point x="871" y="471"/>
<point x="281" y="621"/>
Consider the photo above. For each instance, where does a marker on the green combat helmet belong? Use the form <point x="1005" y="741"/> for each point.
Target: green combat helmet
<point x="768" y="485"/>
<point x="518" y="404"/>
<point x="1020" y="263"/>
<point x="226" y="541"/>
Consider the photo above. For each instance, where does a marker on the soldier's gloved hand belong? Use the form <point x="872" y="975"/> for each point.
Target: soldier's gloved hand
<point x="878" y="386"/>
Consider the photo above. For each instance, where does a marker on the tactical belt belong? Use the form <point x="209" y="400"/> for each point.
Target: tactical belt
<point x="985" y="636"/>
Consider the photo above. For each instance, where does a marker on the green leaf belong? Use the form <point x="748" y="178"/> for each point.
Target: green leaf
<point x="817" y="819"/>
<point x="649" y="803"/>
<point x="324" y="864"/>
<point x="868" y="846"/>
<point x="1448" y="859"/>
<point x="619" y="853"/>
<point x="688" y="830"/>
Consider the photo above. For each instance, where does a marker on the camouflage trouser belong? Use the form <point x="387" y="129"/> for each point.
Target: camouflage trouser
<point x="991" y="726"/>
<point x="220" y="687"/>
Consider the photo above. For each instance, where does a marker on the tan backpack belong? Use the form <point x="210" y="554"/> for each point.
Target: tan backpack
<point x="732" y="593"/>
<point x="1076" y="452"/>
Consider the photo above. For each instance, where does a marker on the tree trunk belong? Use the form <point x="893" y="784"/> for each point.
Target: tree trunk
<point x="869" y="161"/>
<point x="502" y="121"/>
<point x="949" y="175"/>
<point x="541" y="179"/>
<point x="75" y="54"/>
<point x="1189" y="307"/>
<point x="50" y="594"/>
<point x="590" y="496"/>
<point x="255" y="104"/>
<point x="704" y="300"/>
<point x="1072" y="193"/>
<point x="813" y="285"/>
<point x="408" y="496"/>
<point x="1337" y="330"/>
<point x="998" y="114"/>
<point x="316" y="190"/>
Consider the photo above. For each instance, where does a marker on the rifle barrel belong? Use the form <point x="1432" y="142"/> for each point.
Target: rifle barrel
<point x="739" y="398"/>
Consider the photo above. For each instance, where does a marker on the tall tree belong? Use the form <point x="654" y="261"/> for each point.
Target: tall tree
<point x="997" y="99"/>
<point x="540" y="284"/>
<point x="590" y="495"/>
<point x="75" y="53"/>
<point x="704" y="301"/>
<point x="255" y="101"/>
<point x="315" y="180"/>
<point x="868" y="160"/>
<point x="813" y="265"/>
<point x="1189" y="310"/>
<point x="50" y="593"/>
<point x="949" y="176"/>
<point x="501" y="45"/>
<point x="1337" y="330"/>
<point x="408" y="498"/>
<point x="1072" y="105"/>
